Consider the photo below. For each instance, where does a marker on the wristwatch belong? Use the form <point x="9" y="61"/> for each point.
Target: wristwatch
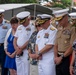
<point x="39" y="53"/>
<point x="62" y="56"/>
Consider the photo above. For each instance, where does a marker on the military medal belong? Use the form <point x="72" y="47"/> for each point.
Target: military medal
<point x="28" y="29"/>
<point x="46" y="35"/>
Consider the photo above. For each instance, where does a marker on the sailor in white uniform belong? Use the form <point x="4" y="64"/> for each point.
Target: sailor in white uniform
<point x="22" y="36"/>
<point x="45" y="46"/>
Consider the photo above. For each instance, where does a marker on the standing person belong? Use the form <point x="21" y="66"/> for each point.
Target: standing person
<point x="45" y="46"/>
<point x="73" y="61"/>
<point x="31" y="50"/>
<point x="9" y="48"/>
<point x="4" y="26"/>
<point x="63" y="44"/>
<point x="22" y="36"/>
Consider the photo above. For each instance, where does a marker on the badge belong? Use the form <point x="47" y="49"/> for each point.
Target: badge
<point x="38" y="36"/>
<point x="28" y="29"/>
<point x="4" y="27"/>
<point x="46" y="35"/>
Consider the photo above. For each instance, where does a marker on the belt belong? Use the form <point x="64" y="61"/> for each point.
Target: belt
<point x="1" y="44"/>
<point x="61" y="52"/>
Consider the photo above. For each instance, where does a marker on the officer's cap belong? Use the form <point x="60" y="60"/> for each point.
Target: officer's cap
<point x="42" y="18"/>
<point x="23" y="15"/>
<point x="1" y="11"/>
<point x="73" y="15"/>
<point x="60" y="13"/>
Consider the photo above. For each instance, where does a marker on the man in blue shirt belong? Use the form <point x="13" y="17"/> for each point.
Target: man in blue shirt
<point x="4" y="26"/>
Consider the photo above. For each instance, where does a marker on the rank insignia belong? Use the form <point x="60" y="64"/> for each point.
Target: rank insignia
<point x="46" y="35"/>
<point x="52" y="28"/>
<point x="7" y="21"/>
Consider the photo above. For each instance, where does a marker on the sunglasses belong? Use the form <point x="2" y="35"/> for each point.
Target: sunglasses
<point x="37" y="25"/>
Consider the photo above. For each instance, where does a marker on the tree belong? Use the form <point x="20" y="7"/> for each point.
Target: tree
<point x="66" y="2"/>
<point x="17" y="1"/>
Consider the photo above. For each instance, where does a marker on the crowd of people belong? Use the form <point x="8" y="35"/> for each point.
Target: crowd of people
<point x="47" y="47"/>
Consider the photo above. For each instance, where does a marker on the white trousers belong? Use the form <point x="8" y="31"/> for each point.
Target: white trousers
<point x="33" y="69"/>
<point x="23" y="66"/>
<point x="47" y="66"/>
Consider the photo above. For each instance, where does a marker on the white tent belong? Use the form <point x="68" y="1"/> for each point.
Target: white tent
<point x="13" y="9"/>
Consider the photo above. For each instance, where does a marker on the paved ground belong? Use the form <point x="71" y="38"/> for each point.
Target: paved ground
<point x="33" y="70"/>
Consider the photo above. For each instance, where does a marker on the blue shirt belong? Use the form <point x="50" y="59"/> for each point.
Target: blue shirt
<point x="4" y="27"/>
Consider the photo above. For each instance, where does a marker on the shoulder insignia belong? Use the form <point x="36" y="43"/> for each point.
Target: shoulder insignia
<point x="52" y="28"/>
<point x="7" y="21"/>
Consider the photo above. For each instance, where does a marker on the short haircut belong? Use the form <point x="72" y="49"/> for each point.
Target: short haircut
<point x="14" y="20"/>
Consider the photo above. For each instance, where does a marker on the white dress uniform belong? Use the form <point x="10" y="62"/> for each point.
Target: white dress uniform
<point x="23" y="34"/>
<point x="46" y="65"/>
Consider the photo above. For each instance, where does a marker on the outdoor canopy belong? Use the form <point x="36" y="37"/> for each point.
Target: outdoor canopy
<point x="13" y="9"/>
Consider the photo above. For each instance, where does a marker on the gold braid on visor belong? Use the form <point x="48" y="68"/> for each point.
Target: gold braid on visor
<point x="22" y="21"/>
<point x="41" y="21"/>
<point x="0" y="14"/>
<point x="58" y="18"/>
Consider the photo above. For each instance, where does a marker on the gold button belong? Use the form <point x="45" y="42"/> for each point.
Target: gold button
<point x="65" y="41"/>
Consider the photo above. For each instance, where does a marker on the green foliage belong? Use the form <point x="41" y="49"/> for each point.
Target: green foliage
<point x="60" y="5"/>
<point x="63" y="4"/>
<point x="17" y="1"/>
<point x="66" y="2"/>
<point x="54" y="0"/>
